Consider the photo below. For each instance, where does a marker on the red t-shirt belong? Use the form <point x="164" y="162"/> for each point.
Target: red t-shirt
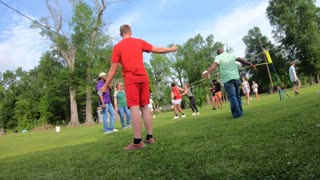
<point x="176" y="93"/>
<point x="129" y="53"/>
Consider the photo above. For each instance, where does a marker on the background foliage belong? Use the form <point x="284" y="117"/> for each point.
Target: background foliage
<point x="41" y="96"/>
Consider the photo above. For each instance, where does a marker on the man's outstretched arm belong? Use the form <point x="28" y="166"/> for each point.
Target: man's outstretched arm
<point x="161" y="50"/>
<point x="243" y="61"/>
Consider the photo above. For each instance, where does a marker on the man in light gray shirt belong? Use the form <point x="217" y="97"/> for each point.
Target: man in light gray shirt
<point x="294" y="78"/>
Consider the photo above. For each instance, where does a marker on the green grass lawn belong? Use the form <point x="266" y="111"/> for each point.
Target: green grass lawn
<point x="273" y="140"/>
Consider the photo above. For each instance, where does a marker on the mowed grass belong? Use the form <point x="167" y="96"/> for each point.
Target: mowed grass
<point x="274" y="140"/>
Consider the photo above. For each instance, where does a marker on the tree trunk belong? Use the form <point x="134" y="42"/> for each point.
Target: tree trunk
<point x="89" y="117"/>
<point x="311" y="80"/>
<point x="74" y="121"/>
<point x="69" y="54"/>
<point x="318" y="77"/>
<point x="100" y="6"/>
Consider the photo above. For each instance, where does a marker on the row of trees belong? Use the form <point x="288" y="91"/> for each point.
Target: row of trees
<point x="60" y="90"/>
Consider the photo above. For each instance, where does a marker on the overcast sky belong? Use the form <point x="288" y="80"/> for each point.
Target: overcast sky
<point x="160" y="22"/>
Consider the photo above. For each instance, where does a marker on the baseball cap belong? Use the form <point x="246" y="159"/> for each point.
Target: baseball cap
<point x="102" y="74"/>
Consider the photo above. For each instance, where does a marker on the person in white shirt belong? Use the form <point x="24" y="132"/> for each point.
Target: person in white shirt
<point x="151" y="106"/>
<point x="294" y="78"/>
<point x="246" y="89"/>
<point x="255" y="89"/>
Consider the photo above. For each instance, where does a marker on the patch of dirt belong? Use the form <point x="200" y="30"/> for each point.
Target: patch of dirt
<point x="42" y="128"/>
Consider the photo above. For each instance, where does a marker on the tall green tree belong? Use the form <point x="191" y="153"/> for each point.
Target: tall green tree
<point x="255" y="43"/>
<point x="296" y="26"/>
<point x="19" y="105"/>
<point x="160" y="78"/>
<point x="8" y="100"/>
<point x="87" y="25"/>
<point x="2" y="90"/>
<point x="53" y="82"/>
<point x="35" y="98"/>
<point x="65" y="45"/>
<point x="78" y="48"/>
<point x="195" y="56"/>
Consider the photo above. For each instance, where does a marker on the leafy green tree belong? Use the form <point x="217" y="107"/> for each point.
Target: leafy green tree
<point x="52" y="79"/>
<point x="79" y="48"/>
<point x="193" y="57"/>
<point x="37" y="97"/>
<point x="255" y="54"/>
<point x="1" y="101"/>
<point x="88" y="36"/>
<point x="160" y="71"/>
<point x="19" y="105"/>
<point x="8" y="99"/>
<point x="297" y="27"/>
<point x="23" y="113"/>
<point x="67" y="49"/>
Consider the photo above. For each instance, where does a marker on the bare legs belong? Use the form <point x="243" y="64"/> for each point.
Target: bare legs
<point x="218" y="102"/>
<point x="177" y="109"/>
<point x="136" y="120"/>
<point x="257" y="95"/>
<point x="214" y="103"/>
<point x="296" y="87"/>
<point x="248" y="98"/>
<point x="147" y="119"/>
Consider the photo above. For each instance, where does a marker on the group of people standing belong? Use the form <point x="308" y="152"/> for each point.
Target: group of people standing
<point x="216" y="97"/>
<point x="246" y="89"/>
<point x="129" y="53"/>
<point x="226" y="62"/>
<point x="176" y="99"/>
<point x="245" y="86"/>
<point x="120" y="105"/>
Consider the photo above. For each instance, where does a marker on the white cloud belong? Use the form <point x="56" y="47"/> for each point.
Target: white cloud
<point x="141" y="16"/>
<point x="20" y="46"/>
<point x="231" y="28"/>
<point x="228" y="28"/>
<point x="130" y="18"/>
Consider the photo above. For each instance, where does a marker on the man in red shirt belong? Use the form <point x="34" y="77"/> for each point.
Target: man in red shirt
<point x="129" y="53"/>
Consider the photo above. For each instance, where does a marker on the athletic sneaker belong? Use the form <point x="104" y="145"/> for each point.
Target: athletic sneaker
<point x="150" y="141"/>
<point x="183" y="116"/>
<point x="134" y="146"/>
<point x="198" y="113"/>
<point x="128" y="126"/>
<point x="107" y="132"/>
<point x="194" y="114"/>
<point x="176" y="117"/>
<point x="114" y="130"/>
